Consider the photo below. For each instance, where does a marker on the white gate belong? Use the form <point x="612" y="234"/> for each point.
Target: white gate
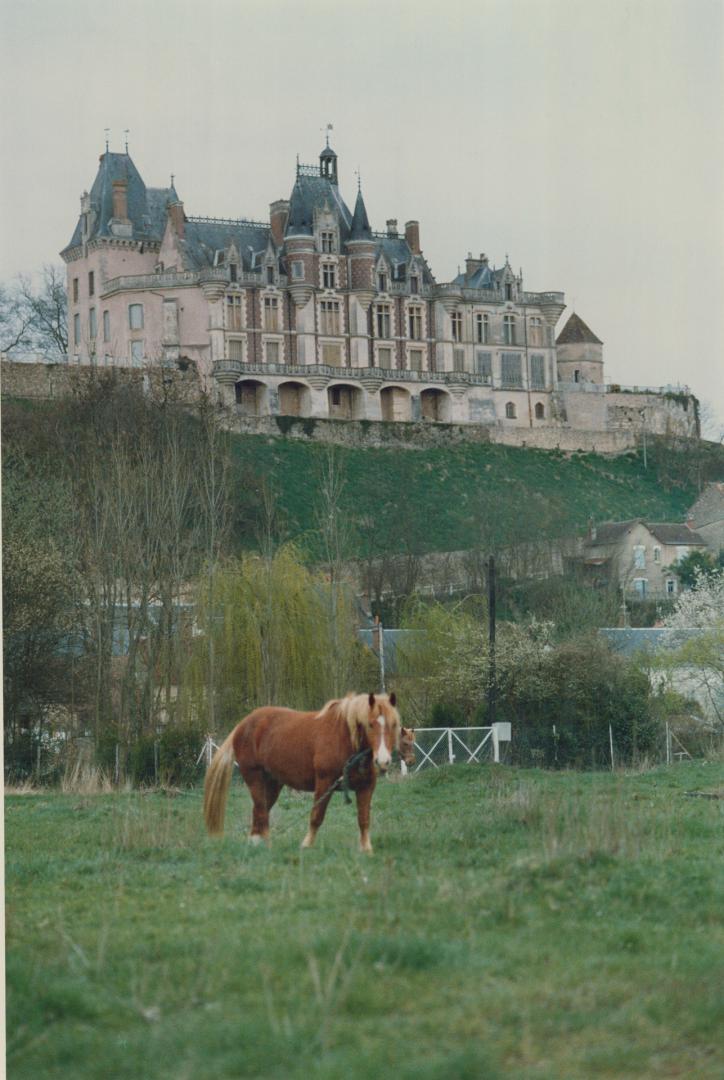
<point x="446" y="745"/>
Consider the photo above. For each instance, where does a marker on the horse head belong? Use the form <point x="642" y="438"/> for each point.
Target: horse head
<point x="407" y="745"/>
<point x="377" y="725"/>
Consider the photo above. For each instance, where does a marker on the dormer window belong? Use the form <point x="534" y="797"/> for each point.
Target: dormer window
<point x="233" y="273"/>
<point x="414" y="283"/>
<point x="381" y="281"/>
<point x="508" y="291"/>
<point x="327" y="239"/>
<point x="270" y="275"/>
<point x="219" y="258"/>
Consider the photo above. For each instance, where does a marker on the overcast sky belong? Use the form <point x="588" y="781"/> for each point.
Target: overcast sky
<point x="582" y="138"/>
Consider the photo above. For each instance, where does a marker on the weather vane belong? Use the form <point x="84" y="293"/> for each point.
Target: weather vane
<point x="107" y="133"/>
<point x="326" y="130"/>
<point x="126" y="132"/>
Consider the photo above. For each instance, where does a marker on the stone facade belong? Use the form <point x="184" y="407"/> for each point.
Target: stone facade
<point x="313" y="314"/>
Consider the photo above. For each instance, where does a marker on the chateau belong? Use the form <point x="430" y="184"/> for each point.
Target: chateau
<point x="314" y="314"/>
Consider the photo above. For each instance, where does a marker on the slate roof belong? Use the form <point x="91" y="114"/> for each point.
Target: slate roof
<point x="360" y="223"/>
<point x="146" y="206"/>
<point x="310" y="193"/>
<point x="608" y="532"/>
<point x="202" y="239"/>
<point x="576" y="332"/>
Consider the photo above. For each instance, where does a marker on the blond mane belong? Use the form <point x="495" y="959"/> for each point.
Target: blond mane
<point x="354" y="709"/>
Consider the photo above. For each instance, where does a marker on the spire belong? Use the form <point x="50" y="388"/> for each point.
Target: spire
<point x="360" y="224"/>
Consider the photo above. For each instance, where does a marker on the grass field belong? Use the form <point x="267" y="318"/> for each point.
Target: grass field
<point x="510" y="924"/>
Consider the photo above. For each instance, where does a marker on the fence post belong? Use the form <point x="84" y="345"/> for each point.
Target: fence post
<point x="450" y="754"/>
<point x="209" y="750"/>
<point x="668" y="743"/>
<point x="496" y="743"/>
<point x="116" y="770"/>
<point x="610" y="740"/>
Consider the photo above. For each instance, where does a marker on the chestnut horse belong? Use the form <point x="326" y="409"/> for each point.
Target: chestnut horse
<point x="309" y="752"/>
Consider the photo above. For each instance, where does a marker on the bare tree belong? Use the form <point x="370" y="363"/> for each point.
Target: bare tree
<point x="34" y="315"/>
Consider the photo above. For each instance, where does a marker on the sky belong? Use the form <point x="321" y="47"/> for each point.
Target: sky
<point x="583" y="139"/>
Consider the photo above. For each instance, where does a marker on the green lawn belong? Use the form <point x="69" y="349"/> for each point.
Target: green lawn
<point x="510" y="924"/>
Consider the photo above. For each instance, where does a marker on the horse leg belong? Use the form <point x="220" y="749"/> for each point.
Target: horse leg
<point x="364" y="801"/>
<point x="322" y="795"/>
<point x="264" y="792"/>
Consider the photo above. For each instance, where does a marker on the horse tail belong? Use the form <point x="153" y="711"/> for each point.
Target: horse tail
<point x="216" y="786"/>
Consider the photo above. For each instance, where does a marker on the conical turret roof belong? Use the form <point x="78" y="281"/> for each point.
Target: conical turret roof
<point x="360" y="223"/>
<point x="576" y="332"/>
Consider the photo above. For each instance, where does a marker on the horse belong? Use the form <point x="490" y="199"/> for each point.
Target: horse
<point x="348" y="738"/>
<point x="406" y="748"/>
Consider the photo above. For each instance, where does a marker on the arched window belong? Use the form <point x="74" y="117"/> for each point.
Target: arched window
<point x="510" y="411"/>
<point x="540" y="412"/>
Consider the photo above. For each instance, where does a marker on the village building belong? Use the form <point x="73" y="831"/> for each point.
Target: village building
<point x="314" y="314"/>
<point x="707" y="517"/>
<point x="638" y="556"/>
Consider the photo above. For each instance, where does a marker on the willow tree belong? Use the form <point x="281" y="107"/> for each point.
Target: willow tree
<point x="277" y="638"/>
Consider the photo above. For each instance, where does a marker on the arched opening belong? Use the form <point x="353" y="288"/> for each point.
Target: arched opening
<point x="540" y="413"/>
<point x="436" y="405"/>
<point x="251" y="397"/>
<point x="510" y="411"/>
<point x="395" y="403"/>
<point x="294" y="399"/>
<point x="345" y="402"/>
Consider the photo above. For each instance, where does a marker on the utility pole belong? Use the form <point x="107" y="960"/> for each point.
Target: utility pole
<point x="492" y="682"/>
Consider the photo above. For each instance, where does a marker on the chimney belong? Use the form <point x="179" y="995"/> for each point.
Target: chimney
<point x="120" y="200"/>
<point x="278" y="214"/>
<point x="412" y="235"/>
<point x="392" y="227"/>
<point x="471" y="265"/>
<point x="178" y="218"/>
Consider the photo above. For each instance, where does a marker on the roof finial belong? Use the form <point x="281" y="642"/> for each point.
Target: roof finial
<point x="126" y="132"/>
<point x="107" y="132"/>
<point x="172" y="179"/>
<point x="358" y="174"/>
<point x="329" y="127"/>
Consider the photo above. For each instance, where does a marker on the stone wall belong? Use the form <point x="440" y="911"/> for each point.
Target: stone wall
<point x="49" y="381"/>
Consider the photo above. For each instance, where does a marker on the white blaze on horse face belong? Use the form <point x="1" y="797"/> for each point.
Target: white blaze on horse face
<point x="383" y="757"/>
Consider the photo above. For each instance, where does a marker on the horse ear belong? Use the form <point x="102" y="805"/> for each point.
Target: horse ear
<point x="372" y="700"/>
<point x="393" y="699"/>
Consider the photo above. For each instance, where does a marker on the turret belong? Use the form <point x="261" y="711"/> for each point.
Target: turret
<point x="579" y="353"/>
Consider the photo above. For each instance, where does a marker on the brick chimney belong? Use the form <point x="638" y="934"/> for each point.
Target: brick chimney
<point x="412" y="235"/>
<point x="120" y="200"/>
<point x="471" y="265"/>
<point x="278" y="214"/>
<point x="392" y="227"/>
<point x="178" y="218"/>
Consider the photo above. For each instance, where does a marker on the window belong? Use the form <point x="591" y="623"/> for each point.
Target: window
<point x="272" y="352"/>
<point x="458" y="359"/>
<point x="536" y="331"/>
<point x="510" y="411"/>
<point x="383" y="320"/>
<point x="270" y="275"/>
<point x="92" y="324"/>
<point x="76" y="329"/>
<point x="75" y="290"/>
<point x="657" y="554"/>
<point x="508" y="291"/>
<point x="384" y="358"/>
<point x="415" y="359"/>
<point x="482" y="327"/>
<point x="382" y="281"/>
<point x="331" y="355"/>
<point x="233" y="273"/>
<point x="670" y="587"/>
<point x="135" y="316"/>
<point x="414" y="319"/>
<point x="639" y="555"/>
<point x="136" y="353"/>
<point x="233" y="313"/>
<point x="336" y="395"/>
<point x="537" y="372"/>
<point x="271" y="313"/>
<point x="297" y="269"/>
<point x="235" y="349"/>
<point x="640" y="587"/>
<point x="327" y="241"/>
<point x="329" y="317"/>
<point x="457" y="325"/>
<point x="484" y="366"/>
<point x="106" y="326"/>
<point x="511" y="370"/>
<point x="540" y="413"/>
<point x="509" y="330"/>
<point x="414" y="283"/>
<point x="328" y="276"/>
<point x="91" y="282"/>
<point x="576" y="375"/>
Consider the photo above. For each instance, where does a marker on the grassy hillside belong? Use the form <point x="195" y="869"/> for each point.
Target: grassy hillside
<point x="510" y="924"/>
<point x="445" y="499"/>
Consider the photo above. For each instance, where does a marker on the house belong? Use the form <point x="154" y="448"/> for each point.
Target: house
<point x="312" y="313"/>
<point x="707" y="517"/>
<point x="639" y="556"/>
